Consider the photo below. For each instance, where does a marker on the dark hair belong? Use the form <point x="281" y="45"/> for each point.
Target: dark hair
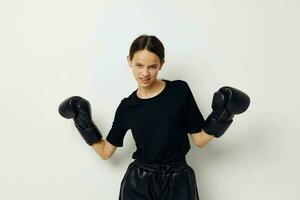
<point x="149" y="42"/>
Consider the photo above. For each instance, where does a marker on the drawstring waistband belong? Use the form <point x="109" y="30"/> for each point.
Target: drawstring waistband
<point x="163" y="167"/>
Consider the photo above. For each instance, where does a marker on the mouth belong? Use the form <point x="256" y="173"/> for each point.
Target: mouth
<point x="145" y="80"/>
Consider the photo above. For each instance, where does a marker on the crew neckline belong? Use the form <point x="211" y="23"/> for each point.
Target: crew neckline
<point x="154" y="97"/>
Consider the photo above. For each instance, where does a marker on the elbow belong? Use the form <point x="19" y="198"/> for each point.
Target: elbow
<point x="200" y="145"/>
<point x="99" y="149"/>
<point x="104" y="157"/>
<point x="204" y="139"/>
<point x="203" y="145"/>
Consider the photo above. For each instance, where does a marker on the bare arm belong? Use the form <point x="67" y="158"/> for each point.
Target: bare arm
<point x="104" y="149"/>
<point x="201" y="139"/>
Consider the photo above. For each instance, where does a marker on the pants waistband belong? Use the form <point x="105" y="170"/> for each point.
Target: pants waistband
<point x="164" y="167"/>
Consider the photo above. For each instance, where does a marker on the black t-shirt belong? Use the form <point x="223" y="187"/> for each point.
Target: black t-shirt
<point x="159" y="124"/>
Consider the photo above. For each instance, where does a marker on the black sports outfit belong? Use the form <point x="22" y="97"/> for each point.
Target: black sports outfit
<point x="159" y="126"/>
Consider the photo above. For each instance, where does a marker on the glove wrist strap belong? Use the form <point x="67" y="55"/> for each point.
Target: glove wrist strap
<point x="90" y="134"/>
<point x="215" y="127"/>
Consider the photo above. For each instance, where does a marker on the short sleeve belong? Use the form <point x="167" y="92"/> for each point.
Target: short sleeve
<point x="118" y="130"/>
<point x="194" y="120"/>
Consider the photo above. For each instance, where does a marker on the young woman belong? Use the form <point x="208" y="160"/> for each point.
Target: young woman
<point x="160" y="113"/>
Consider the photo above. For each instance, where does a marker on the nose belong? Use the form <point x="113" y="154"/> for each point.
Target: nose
<point x="145" y="73"/>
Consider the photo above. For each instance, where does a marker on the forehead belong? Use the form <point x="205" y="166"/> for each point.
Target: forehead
<point x="145" y="56"/>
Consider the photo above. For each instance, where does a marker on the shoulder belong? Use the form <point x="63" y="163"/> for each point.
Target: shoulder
<point x="125" y="103"/>
<point x="121" y="105"/>
<point x="182" y="87"/>
<point x="180" y="84"/>
<point x="122" y="108"/>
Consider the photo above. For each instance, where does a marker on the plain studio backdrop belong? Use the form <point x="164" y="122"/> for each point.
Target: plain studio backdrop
<point x="51" y="50"/>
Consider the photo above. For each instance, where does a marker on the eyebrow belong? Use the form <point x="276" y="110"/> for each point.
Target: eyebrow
<point x="149" y="65"/>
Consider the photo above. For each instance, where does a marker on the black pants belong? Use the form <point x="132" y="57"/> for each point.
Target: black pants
<point x="172" y="181"/>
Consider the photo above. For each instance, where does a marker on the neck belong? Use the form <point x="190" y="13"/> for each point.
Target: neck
<point x="151" y="89"/>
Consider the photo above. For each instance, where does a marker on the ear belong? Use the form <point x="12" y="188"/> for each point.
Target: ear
<point x="128" y="60"/>
<point x="162" y="64"/>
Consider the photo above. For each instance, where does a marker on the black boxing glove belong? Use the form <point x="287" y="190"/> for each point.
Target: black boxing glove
<point x="79" y="109"/>
<point x="227" y="102"/>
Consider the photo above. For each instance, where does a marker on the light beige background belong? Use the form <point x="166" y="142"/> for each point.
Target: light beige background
<point x="50" y="50"/>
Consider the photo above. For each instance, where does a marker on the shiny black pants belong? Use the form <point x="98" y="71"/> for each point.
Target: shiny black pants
<point x="172" y="181"/>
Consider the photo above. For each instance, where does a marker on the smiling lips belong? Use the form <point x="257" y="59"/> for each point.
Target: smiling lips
<point x="145" y="80"/>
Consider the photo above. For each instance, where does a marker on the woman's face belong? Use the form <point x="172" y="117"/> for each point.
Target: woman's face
<point x="145" y="66"/>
